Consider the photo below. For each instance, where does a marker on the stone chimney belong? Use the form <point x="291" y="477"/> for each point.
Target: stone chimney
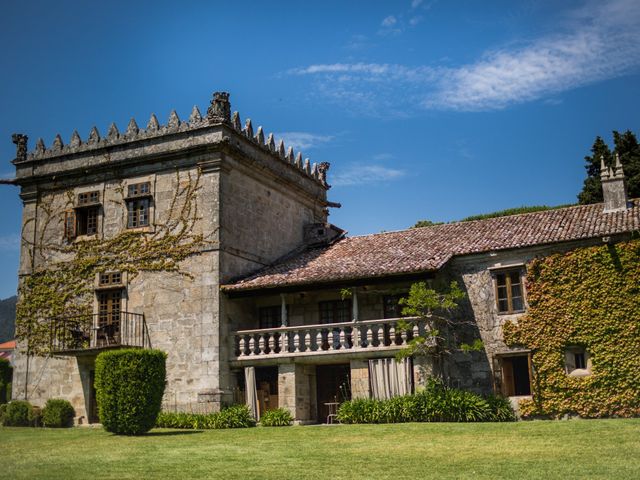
<point x="613" y="186"/>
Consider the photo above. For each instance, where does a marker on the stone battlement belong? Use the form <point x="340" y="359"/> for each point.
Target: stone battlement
<point x="218" y="113"/>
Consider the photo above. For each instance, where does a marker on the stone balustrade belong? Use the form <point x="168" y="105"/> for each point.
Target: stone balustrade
<point x="332" y="338"/>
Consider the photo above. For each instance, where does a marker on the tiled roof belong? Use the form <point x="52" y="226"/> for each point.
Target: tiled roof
<point x="429" y="248"/>
<point x="11" y="344"/>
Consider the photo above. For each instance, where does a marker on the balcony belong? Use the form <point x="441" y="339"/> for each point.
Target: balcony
<point x="89" y="333"/>
<point x="326" y="339"/>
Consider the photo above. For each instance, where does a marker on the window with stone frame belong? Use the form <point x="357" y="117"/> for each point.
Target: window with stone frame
<point x="335" y="311"/>
<point x="509" y="290"/>
<point x="110" y="278"/>
<point x="84" y="218"/>
<point x="138" y="204"/>
<point x="391" y="305"/>
<point x="270" y="317"/>
<point x="577" y="361"/>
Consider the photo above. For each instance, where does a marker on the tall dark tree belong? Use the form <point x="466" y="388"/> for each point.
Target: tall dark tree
<point x="592" y="188"/>
<point x="626" y="145"/>
<point x="629" y="150"/>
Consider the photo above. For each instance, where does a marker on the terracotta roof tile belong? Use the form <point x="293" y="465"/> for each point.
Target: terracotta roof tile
<point x="430" y="248"/>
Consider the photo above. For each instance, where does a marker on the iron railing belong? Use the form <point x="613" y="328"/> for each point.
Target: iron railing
<point x="98" y="331"/>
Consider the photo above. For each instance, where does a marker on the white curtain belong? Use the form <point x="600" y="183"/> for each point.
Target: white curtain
<point x="251" y="391"/>
<point x="390" y="378"/>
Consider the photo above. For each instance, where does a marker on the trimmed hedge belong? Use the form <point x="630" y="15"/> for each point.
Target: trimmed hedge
<point x="18" y="413"/>
<point x="58" y="413"/>
<point x="236" y="416"/>
<point x="6" y="374"/>
<point x="129" y="387"/>
<point x="436" y="403"/>
<point x="279" y="417"/>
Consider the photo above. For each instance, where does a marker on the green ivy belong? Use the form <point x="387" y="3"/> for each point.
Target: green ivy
<point x="589" y="297"/>
<point x="66" y="287"/>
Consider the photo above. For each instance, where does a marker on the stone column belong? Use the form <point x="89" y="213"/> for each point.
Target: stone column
<point x="423" y="369"/>
<point x="360" y="379"/>
<point x="296" y="391"/>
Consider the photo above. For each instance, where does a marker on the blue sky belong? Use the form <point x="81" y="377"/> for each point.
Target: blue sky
<point x="425" y="109"/>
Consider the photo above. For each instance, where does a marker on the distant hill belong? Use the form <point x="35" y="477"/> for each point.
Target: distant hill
<point x="7" y="319"/>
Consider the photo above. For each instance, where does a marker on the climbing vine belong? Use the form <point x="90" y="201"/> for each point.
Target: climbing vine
<point x="64" y="285"/>
<point x="589" y="297"/>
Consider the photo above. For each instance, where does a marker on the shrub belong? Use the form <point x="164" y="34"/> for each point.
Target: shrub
<point x="3" y="412"/>
<point x="58" y="413"/>
<point x="279" y="417"/>
<point x="435" y="403"/>
<point x="18" y="414"/>
<point x="6" y="374"/>
<point x="129" y="387"/>
<point x="501" y="408"/>
<point x="236" y="416"/>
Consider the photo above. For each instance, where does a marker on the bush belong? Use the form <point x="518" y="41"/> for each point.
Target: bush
<point x="435" y="403"/>
<point x="3" y="412"/>
<point x="501" y="408"/>
<point x="129" y="387"/>
<point x="58" y="413"/>
<point x="278" y="417"/>
<point x="236" y="416"/>
<point x="6" y="374"/>
<point x="18" y="414"/>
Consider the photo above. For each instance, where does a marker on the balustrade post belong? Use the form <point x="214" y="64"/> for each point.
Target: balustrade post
<point x="261" y="344"/>
<point x="252" y="345"/>
<point x="330" y="339"/>
<point x="242" y="345"/>
<point x="296" y="342"/>
<point x="319" y="340"/>
<point x="307" y="341"/>
<point x="392" y="334"/>
<point x="272" y="342"/>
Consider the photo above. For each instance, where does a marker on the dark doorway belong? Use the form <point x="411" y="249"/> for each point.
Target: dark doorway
<point x="93" y="403"/>
<point x="267" y="388"/>
<point x="333" y="384"/>
<point x="516" y="380"/>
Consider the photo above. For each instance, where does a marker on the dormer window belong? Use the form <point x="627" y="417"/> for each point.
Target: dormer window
<point x="138" y="204"/>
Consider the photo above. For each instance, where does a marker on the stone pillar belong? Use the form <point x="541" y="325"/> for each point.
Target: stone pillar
<point x="360" y="379"/>
<point x="423" y="369"/>
<point x="297" y="391"/>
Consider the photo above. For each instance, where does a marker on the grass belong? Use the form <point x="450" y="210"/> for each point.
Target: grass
<point x="604" y="449"/>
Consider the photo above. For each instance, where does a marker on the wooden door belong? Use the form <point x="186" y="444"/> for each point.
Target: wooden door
<point x="109" y="311"/>
<point x="508" y="389"/>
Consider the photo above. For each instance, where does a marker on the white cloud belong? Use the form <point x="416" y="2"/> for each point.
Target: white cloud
<point x="389" y="21"/>
<point x="364" y="175"/>
<point x="415" y="3"/>
<point x="9" y="242"/>
<point x="597" y="42"/>
<point x="413" y="21"/>
<point x="303" y="140"/>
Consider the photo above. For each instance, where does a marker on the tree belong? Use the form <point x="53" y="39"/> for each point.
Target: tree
<point x="434" y="308"/>
<point x="626" y="146"/>
<point x="426" y="223"/>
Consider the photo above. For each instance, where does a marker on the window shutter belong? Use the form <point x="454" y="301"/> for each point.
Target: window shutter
<point x="69" y="224"/>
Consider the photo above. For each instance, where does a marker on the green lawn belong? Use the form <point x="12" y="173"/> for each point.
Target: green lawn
<point x="606" y="449"/>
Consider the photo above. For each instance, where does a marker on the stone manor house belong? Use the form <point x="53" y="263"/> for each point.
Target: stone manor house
<point x="208" y="240"/>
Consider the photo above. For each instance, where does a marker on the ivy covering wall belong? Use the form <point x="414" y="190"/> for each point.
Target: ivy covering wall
<point x="589" y="297"/>
<point x="64" y="285"/>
